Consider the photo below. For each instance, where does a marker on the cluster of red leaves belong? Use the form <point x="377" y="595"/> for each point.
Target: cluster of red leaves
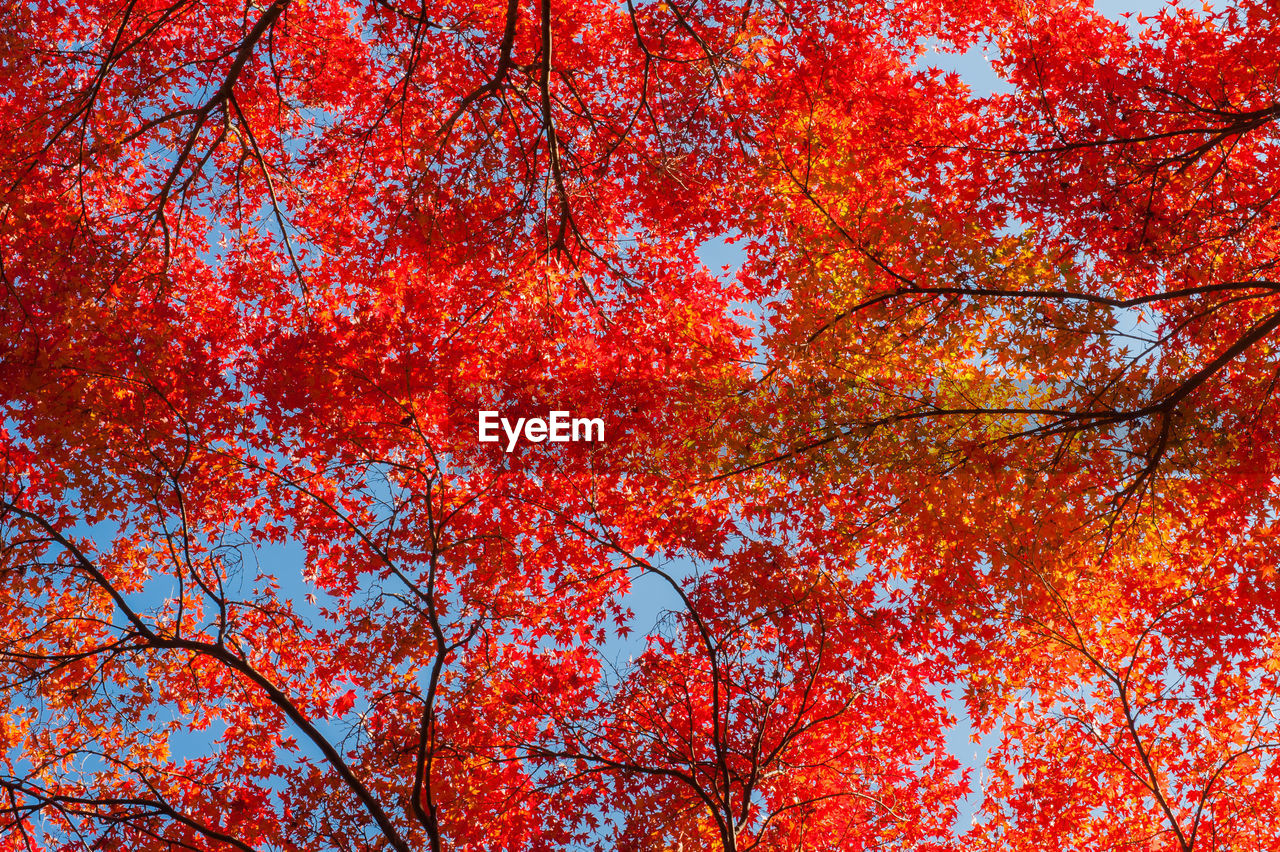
<point x="988" y="408"/>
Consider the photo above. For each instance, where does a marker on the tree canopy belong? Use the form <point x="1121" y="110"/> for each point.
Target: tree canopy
<point x="980" y="433"/>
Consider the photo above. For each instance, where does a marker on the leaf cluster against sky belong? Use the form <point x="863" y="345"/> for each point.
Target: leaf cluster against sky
<point x="981" y="424"/>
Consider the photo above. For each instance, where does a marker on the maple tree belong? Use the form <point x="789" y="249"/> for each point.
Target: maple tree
<point x="987" y="411"/>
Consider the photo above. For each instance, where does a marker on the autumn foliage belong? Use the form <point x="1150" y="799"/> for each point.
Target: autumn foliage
<point x="977" y="435"/>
